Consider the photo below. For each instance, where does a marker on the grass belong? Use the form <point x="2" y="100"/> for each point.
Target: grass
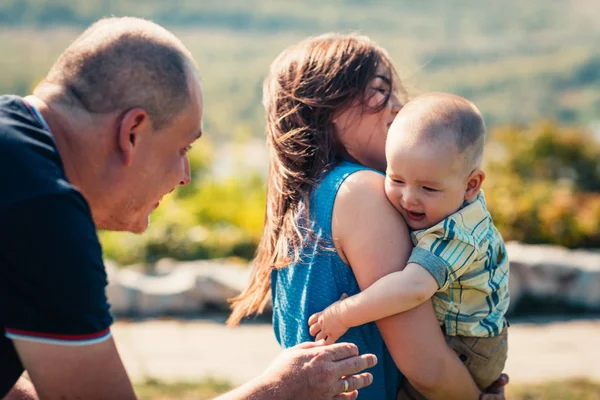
<point x="209" y="388"/>
<point x="573" y="389"/>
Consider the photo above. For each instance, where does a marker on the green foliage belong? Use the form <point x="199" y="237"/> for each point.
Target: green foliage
<point x="543" y="185"/>
<point x="519" y="61"/>
<point x="547" y="152"/>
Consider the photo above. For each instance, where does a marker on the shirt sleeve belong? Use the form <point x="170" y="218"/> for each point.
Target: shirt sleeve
<point x="445" y="257"/>
<point x="52" y="277"/>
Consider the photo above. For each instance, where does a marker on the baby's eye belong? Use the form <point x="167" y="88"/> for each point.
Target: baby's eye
<point x="399" y="181"/>
<point x="429" y="189"/>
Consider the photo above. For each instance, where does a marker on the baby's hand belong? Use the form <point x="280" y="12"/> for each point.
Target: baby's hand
<point x="327" y="324"/>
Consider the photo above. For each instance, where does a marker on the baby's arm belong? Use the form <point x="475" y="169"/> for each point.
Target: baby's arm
<point x="394" y="293"/>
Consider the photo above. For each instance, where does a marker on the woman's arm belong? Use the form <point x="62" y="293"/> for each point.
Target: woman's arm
<point x="372" y="237"/>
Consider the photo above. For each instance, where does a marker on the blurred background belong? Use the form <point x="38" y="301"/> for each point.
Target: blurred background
<point x="533" y="68"/>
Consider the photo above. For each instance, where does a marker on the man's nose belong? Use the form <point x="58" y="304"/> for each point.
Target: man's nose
<point x="187" y="178"/>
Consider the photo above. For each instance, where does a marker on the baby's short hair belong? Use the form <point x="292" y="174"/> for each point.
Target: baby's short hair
<point x="433" y="116"/>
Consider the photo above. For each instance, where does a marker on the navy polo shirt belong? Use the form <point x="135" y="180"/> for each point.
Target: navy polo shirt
<point x="52" y="277"/>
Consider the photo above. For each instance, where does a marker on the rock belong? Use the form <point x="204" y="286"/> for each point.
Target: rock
<point x="585" y="291"/>
<point x="543" y="272"/>
<point x="183" y="288"/>
<point x="516" y="284"/>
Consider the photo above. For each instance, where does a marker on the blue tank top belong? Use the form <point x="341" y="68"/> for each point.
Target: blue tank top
<point x="309" y="286"/>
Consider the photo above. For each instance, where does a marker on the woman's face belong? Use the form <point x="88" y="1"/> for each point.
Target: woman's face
<point x="361" y="131"/>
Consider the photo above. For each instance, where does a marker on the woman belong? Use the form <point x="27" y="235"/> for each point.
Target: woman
<point x="329" y="229"/>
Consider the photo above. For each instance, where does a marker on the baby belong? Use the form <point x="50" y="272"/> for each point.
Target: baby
<point x="434" y="153"/>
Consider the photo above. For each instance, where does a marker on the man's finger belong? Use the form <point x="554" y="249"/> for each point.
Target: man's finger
<point x="341" y="351"/>
<point x="355" y="382"/>
<point x="346" y="396"/>
<point x="308" y="345"/>
<point x="356" y="364"/>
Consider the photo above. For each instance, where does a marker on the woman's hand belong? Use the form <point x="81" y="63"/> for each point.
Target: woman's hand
<point x="496" y="390"/>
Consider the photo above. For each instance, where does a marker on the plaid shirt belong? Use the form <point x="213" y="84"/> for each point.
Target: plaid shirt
<point x="465" y="254"/>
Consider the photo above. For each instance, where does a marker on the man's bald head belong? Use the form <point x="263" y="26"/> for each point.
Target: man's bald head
<point x="123" y="63"/>
<point x="445" y="119"/>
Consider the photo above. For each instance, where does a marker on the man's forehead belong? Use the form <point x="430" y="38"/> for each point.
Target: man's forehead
<point x="198" y="98"/>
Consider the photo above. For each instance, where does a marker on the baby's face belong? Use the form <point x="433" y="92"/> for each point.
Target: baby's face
<point x="426" y="182"/>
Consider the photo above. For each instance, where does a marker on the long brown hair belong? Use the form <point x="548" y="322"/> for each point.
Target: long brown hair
<point x="308" y="84"/>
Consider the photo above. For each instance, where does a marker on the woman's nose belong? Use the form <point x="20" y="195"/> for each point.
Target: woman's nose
<point x="395" y="103"/>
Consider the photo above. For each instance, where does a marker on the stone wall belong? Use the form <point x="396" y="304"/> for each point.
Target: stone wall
<point x="544" y="273"/>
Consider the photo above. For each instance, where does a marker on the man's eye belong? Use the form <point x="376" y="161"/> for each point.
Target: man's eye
<point x="187" y="148"/>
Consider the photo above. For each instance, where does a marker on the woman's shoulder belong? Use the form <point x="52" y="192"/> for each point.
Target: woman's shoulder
<point x="335" y="183"/>
<point x="363" y="187"/>
<point x="345" y="169"/>
<point x="343" y="173"/>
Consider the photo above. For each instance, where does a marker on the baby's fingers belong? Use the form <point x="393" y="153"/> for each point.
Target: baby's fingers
<point x="314" y="318"/>
<point x="332" y="338"/>
<point x="315" y="329"/>
<point x="321" y="335"/>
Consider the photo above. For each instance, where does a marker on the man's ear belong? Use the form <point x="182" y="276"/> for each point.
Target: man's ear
<point x="474" y="184"/>
<point x="134" y="124"/>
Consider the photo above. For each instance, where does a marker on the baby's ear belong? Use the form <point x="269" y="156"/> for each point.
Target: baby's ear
<point x="474" y="184"/>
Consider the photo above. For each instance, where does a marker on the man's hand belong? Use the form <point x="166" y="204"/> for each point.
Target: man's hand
<point x="23" y="390"/>
<point x="316" y="371"/>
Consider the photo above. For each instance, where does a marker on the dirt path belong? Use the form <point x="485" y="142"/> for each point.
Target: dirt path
<point x="191" y="350"/>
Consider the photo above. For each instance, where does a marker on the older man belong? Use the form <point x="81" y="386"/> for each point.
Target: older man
<point x="99" y="143"/>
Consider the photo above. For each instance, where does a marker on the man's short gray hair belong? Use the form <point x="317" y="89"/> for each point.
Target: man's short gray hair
<point x="123" y="63"/>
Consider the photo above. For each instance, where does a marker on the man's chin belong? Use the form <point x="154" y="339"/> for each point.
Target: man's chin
<point x="134" y="226"/>
<point x="141" y="226"/>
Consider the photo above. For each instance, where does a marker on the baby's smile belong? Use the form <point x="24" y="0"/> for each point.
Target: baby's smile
<point x="415" y="216"/>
